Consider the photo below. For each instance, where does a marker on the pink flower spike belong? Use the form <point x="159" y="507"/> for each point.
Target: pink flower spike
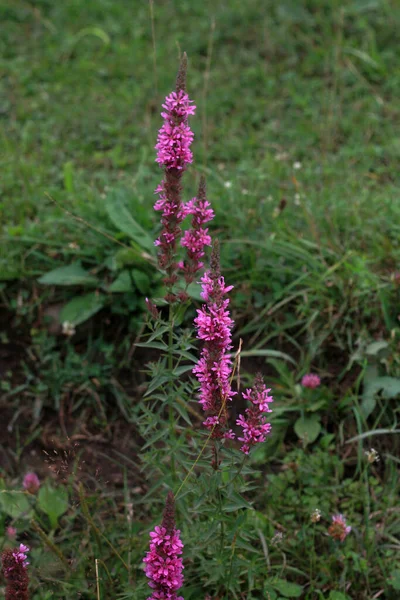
<point x="213" y="371"/>
<point x="31" y="483"/>
<point x="163" y="566"/>
<point x="311" y="380"/>
<point x="253" y="423"/>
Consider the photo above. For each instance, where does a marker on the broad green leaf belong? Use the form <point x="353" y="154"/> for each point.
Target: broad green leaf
<point x="81" y="308"/>
<point x="142" y="281"/>
<point x="334" y="595"/>
<point x="377" y="350"/>
<point x="388" y="386"/>
<point x="269" y="592"/>
<point x="15" y="504"/>
<point x="73" y="274"/>
<point x="288" y="589"/>
<point x="53" y="502"/>
<point x="308" y="428"/>
<point x="394" y="579"/>
<point x="122" y="218"/>
<point x="194" y="291"/>
<point x="123" y="283"/>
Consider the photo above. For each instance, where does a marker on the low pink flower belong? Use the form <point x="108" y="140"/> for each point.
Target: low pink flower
<point x="339" y="529"/>
<point x="31" y="483"/>
<point x="311" y="380"/>
<point x="11" y="532"/>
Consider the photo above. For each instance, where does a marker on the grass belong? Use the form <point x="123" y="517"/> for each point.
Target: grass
<point x="297" y="132"/>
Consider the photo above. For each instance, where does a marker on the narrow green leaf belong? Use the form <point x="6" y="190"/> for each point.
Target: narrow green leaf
<point x="235" y="501"/>
<point x="81" y="308"/>
<point x="122" y="218"/>
<point x="269" y="354"/>
<point x="183" y="369"/>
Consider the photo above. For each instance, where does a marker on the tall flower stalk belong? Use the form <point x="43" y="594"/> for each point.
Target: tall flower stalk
<point x="173" y="154"/>
<point x="213" y="323"/>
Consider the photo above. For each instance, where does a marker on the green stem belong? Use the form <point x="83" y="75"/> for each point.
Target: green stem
<point x="312" y="553"/>
<point x="222" y="534"/>
<point x="50" y="544"/>
<point x="171" y="389"/>
<point x="367" y="512"/>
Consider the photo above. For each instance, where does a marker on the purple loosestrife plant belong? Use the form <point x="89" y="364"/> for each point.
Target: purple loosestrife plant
<point x="173" y="154"/>
<point x="14" y="566"/>
<point x="163" y="565"/>
<point x="213" y="370"/>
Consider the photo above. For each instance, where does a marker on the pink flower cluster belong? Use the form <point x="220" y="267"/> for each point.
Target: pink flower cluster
<point x="31" y="483"/>
<point x="20" y="558"/>
<point x="175" y="136"/>
<point x="311" y="381"/>
<point x="214" y="368"/>
<point x="163" y="564"/>
<point x="339" y="529"/>
<point x="196" y="238"/>
<point x="254" y="425"/>
<point x="173" y="213"/>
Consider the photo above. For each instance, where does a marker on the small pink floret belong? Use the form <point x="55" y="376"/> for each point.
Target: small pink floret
<point x="31" y="483"/>
<point x="11" y="532"/>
